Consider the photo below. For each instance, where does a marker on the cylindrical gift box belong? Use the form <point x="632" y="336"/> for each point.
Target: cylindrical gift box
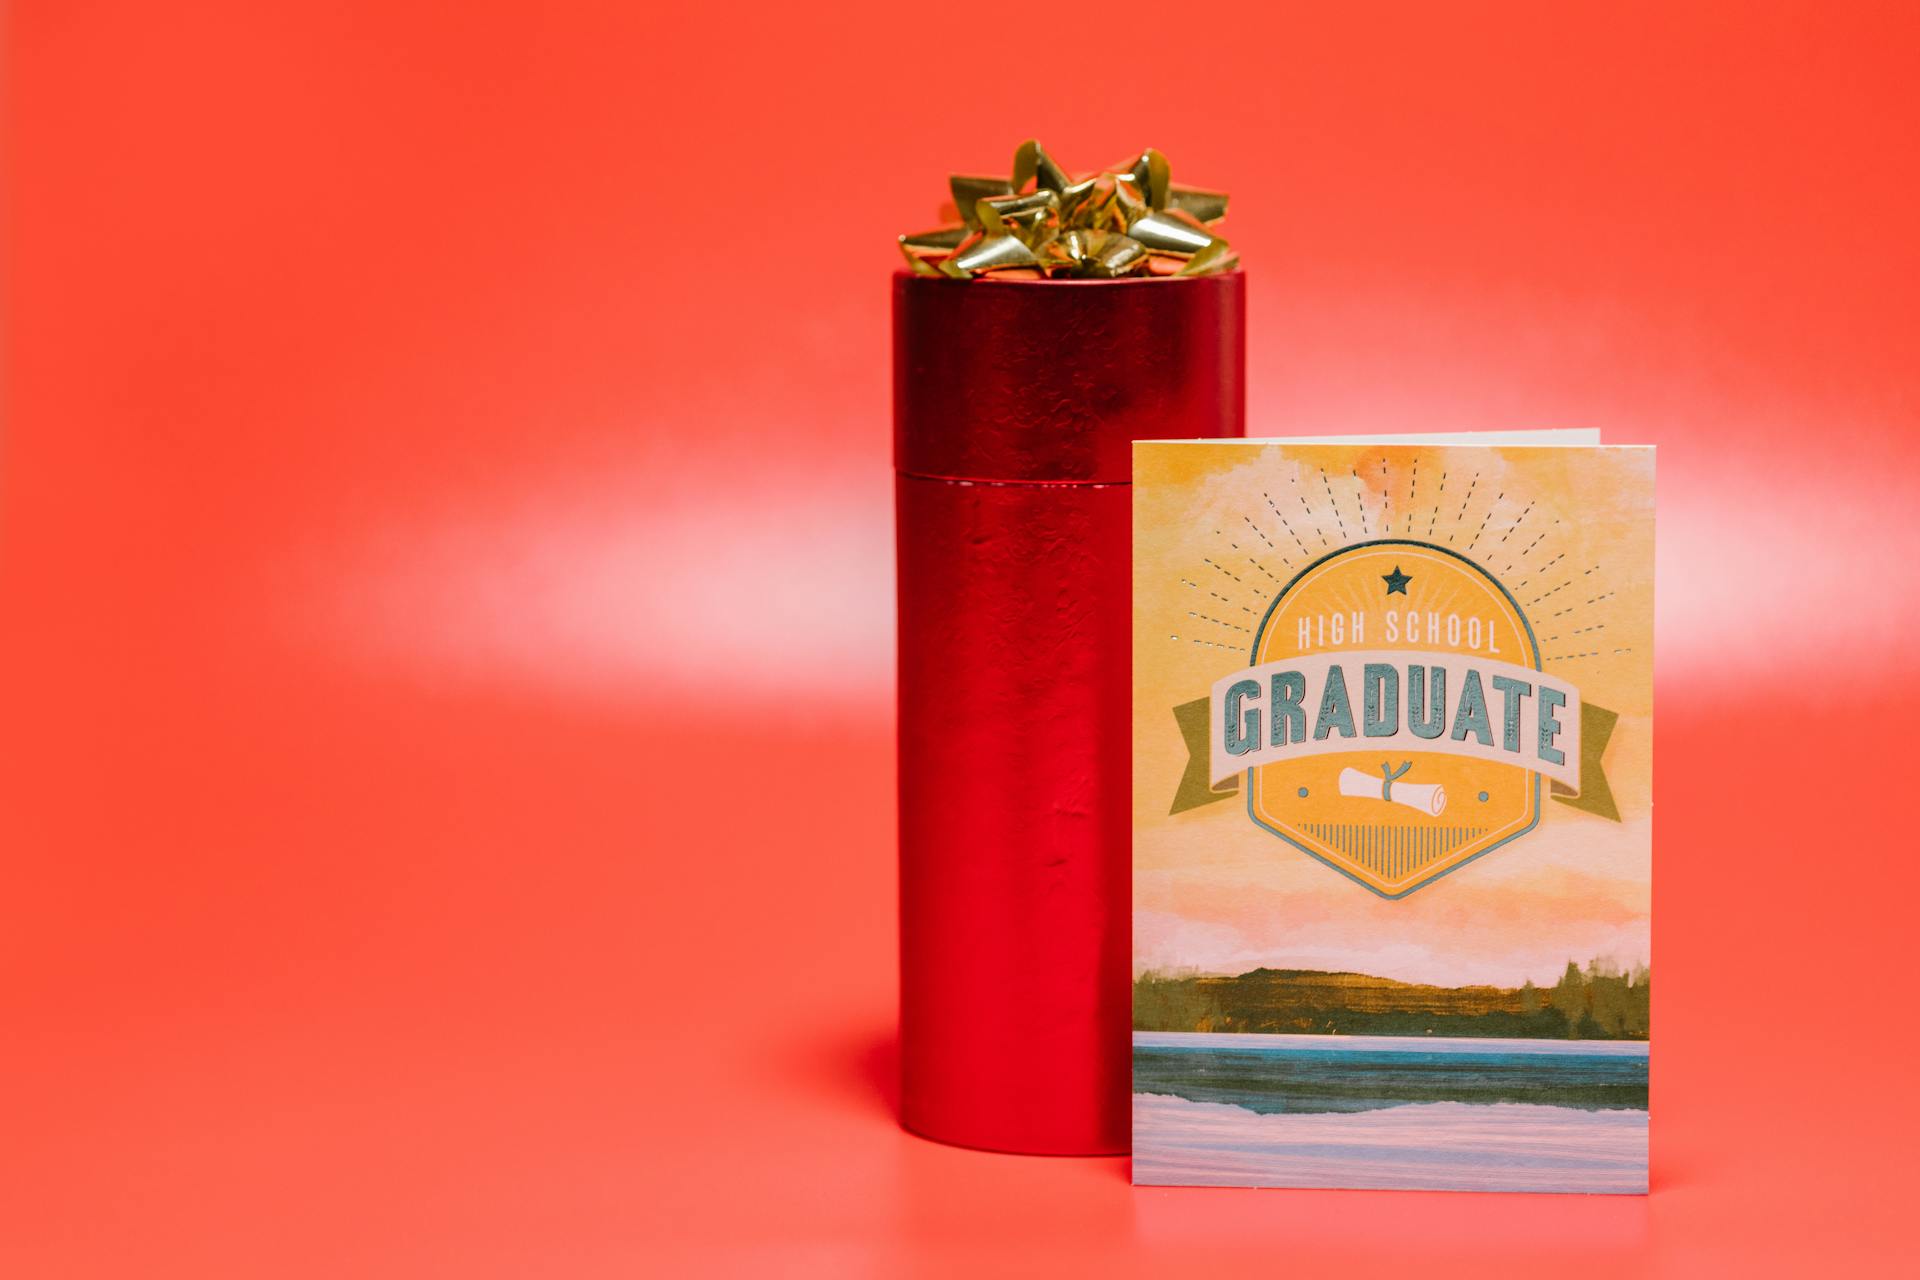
<point x="1015" y="406"/>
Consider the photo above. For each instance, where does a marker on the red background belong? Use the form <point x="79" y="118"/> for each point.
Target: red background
<point x="429" y="426"/>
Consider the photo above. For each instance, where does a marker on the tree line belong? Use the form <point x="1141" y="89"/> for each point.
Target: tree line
<point x="1598" y="1001"/>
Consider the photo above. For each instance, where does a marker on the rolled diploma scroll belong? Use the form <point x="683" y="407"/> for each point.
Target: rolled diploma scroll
<point x="1428" y="798"/>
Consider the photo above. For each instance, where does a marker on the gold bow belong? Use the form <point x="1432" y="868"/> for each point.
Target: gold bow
<point x="1039" y="223"/>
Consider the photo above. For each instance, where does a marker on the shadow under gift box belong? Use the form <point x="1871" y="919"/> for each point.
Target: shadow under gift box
<point x="1015" y="407"/>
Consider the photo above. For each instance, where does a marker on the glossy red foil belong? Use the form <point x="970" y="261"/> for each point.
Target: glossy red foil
<point x="1015" y="405"/>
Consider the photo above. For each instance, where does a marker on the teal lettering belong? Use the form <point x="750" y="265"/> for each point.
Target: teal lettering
<point x="1551" y="700"/>
<point x="1472" y="715"/>
<point x="1289" y="717"/>
<point x="1380" y="700"/>
<point x="1243" y="726"/>
<point x="1427" y="719"/>
<point x="1336" y="709"/>
<point x="1511" y="693"/>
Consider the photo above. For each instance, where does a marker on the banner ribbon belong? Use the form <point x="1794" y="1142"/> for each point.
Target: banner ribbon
<point x="1352" y="701"/>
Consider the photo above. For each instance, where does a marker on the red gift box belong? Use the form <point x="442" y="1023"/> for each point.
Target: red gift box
<point x="1015" y="406"/>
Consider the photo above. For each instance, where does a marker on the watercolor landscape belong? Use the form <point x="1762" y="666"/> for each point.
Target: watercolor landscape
<point x="1306" y="1078"/>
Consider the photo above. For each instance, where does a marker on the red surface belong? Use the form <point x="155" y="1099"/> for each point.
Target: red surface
<point x="424" y="425"/>
<point x="1015" y="682"/>
<point x="1014" y="847"/>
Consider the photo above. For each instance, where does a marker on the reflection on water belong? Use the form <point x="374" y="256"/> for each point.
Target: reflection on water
<point x="1342" y="1111"/>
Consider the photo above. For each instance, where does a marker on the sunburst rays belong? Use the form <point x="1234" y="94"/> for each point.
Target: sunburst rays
<point x="1308" y="511"/>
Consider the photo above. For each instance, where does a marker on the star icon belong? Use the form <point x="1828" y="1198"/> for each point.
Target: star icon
<point x="1396" y="581"/>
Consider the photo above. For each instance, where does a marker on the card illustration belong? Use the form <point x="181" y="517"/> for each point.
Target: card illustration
<point x="1392" y="814"/>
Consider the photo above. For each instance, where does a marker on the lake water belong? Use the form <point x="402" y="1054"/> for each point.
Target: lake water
<point x="1389" y="1111"/>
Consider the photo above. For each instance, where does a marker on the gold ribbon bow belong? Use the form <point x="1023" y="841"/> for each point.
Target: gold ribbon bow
<point x="1039" y="223"/>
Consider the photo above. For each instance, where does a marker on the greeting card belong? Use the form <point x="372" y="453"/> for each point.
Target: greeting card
<point x="1392" y="812"/>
